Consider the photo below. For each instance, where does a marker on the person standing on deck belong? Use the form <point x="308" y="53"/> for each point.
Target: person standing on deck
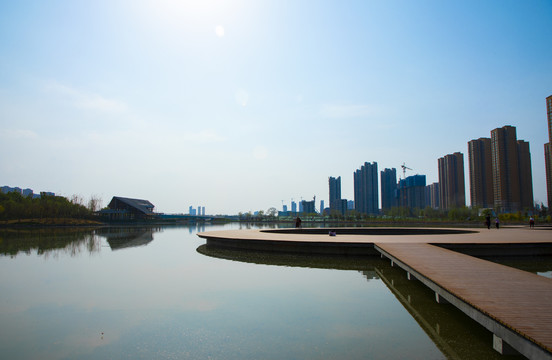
<point x="497" y="223"/>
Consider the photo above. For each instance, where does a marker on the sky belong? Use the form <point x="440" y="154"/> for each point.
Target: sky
<point x="244" y="105"/>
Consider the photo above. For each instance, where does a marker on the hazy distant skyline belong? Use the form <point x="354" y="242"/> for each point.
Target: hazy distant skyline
<point x="238" y="105"/>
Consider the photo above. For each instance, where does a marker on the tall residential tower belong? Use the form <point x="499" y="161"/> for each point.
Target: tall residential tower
<point x="366" y="188"/>
<point x="548" y="151"/>
<point x="511" y="169"/>
<point x="452" y="191"/>
<point x="481" y="175"/>
<point x="388" y="188"/>
<point x="335" y="192"/>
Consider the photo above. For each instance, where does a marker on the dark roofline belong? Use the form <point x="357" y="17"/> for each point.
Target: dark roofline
<point x="143" y="206"/>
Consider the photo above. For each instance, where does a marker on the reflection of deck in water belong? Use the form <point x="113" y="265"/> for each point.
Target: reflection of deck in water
<point x="514" y="305"/>
<point x="456" y="335"/>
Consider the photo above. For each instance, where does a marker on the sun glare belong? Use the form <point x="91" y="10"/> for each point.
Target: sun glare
<point x="202" y="11"/>
<point x="219" y="30"/>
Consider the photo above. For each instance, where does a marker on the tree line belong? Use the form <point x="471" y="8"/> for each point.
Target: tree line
<point x="459" y="214"/>
<point x="15" y="206"/>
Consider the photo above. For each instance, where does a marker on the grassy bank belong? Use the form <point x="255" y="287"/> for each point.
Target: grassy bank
<point x="50" y="222"/>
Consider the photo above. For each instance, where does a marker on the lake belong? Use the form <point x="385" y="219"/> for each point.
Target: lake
<point x="160" y="293"/>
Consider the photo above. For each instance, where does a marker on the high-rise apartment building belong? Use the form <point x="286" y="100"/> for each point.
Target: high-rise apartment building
<point x="335" y="192"/>
<point x="481" y="174"/>
<point x="432" y="195"/>
<point x="307" y="207"/>
<point x="548" y="151"/>
<point x="452" y="190"/>
<point x="505" y="167"/>
<point x="512" y="178"/>
<point x="549" y="113"/>
<point x="411" y="192"/>
<point x="366" y="188"/>
<point x="548" y="167"/>
<point x="525" y="177"/>
<point x="388" y="188"/>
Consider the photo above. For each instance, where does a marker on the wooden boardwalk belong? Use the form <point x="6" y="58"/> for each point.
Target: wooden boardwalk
<point x="515" y="305"/>
<point x="507" y="301"/>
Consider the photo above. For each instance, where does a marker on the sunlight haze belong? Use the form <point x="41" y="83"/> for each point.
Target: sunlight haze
<point x="238" y="105"/>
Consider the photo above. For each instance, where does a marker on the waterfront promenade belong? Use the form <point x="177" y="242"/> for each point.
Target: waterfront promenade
<point x="513" y="304"/>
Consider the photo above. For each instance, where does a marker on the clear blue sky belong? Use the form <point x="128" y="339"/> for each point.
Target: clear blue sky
<point x="238" y="105"/>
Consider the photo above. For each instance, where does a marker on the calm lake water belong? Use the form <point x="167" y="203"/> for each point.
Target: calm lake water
<point x="159" y="293"/>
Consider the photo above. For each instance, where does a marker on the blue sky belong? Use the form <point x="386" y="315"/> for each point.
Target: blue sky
<point x="238" y="105"/>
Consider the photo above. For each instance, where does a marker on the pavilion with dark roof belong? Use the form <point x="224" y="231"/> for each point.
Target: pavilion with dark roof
<point x="121" y="208"/>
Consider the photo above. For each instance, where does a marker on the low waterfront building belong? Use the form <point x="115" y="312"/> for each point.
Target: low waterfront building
<point x="127" y="209"/>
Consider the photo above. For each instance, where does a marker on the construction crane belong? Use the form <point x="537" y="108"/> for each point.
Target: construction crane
<point x="404" y="168"/>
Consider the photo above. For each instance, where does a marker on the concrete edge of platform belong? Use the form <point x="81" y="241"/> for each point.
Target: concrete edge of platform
<point x="310" y="247"/>
<point x="501" y="333"/>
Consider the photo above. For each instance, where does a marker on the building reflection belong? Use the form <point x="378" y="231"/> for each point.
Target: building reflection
<point x="128" y="237"/>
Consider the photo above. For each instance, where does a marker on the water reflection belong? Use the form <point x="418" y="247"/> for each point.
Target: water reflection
<point x="48" y="242"/>
<point x="120" y="238"/>
<point x="540" y="265"/>
<point x="454" y="333"/>
<point x="359" y="263"/>
<point x="72" y="241"/>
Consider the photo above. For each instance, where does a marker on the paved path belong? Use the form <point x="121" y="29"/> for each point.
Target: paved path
<point x="506" y="235"/>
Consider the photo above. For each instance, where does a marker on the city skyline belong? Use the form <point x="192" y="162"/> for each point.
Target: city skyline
<point x="238" y="105"/>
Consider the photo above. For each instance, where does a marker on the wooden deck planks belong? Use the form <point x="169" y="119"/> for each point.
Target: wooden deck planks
<point x="520" y="300"/>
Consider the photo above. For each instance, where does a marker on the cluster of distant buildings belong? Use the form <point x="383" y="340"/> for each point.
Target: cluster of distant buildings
<point x="500" y="178"/>
<point x="200" y="211"/>
<point x="25" y="192"/>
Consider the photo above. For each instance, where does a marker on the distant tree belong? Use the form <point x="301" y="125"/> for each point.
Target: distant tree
<point x="271" y="212"/>
<point x="95" y="203"/>
<point x="77" y="200"/>
<point x="260" y="215"/>
<point x="335" y="214"/>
